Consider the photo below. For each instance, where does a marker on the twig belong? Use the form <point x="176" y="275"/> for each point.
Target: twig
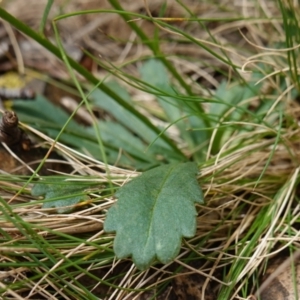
<point x="11" y="134"/>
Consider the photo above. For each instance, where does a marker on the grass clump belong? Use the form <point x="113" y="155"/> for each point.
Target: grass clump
<point x="217" y="86"/>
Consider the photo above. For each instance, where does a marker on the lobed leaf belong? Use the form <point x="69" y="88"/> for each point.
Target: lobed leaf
<point x="60" y="195"/>
<point x="154" y="212"/>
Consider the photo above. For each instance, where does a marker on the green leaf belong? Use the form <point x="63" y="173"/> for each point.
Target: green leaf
<point x="154" y="211"/>
<point x="48" y="118"/>
<point x="124" y="116"/>
<point x="118" y="136"/>
<point x="175" y="106"/>
<point x="60" y="194"/>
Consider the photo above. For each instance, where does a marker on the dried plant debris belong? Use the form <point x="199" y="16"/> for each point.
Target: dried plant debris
<point x="11" y="134"/>
<point x="95" y="32"/>
<point x="283" y="280"/>
<point x="190" y="286"/>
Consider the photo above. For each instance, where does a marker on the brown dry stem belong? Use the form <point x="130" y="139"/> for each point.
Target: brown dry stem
<point x="11" y="134"/>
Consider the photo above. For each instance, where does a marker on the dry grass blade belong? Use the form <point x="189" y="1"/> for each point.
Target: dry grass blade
<point x="250" y="183"/>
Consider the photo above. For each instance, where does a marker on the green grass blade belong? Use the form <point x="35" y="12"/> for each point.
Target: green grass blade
<point x="86" y="74"/>
<point x="45" y="16"/>
<point x="152" y="45"/>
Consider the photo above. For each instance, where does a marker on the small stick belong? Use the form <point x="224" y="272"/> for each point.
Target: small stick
<point x="11" y="134"/>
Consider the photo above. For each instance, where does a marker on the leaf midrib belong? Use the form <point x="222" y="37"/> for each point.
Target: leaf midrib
<point x="155" y="203"/>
